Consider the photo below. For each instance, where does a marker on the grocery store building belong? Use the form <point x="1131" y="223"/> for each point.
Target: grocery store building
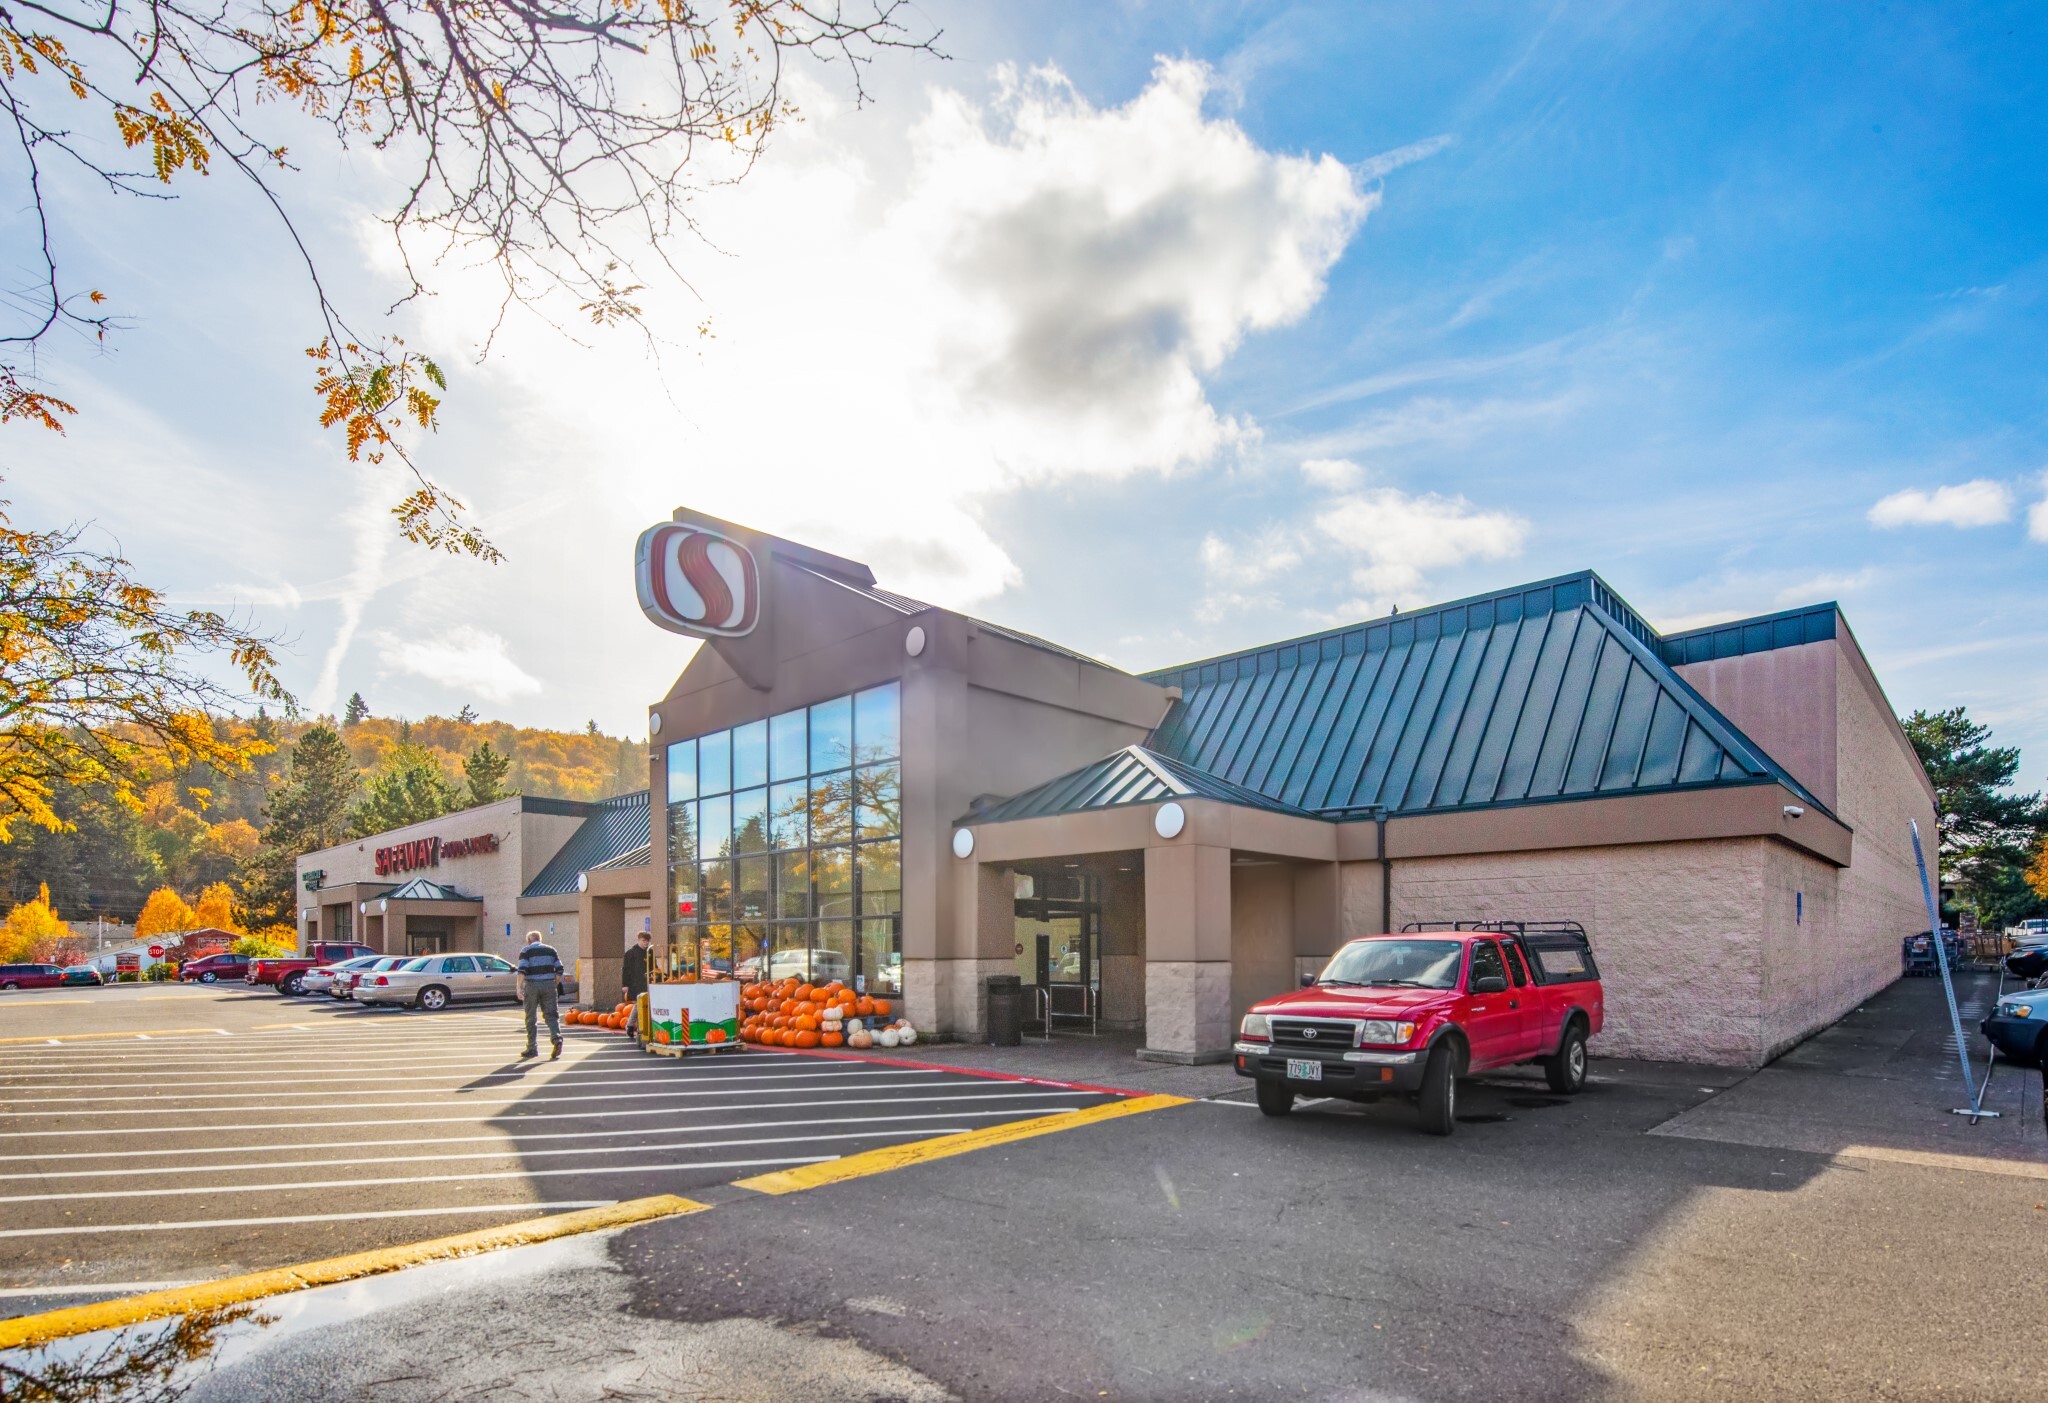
<point x="848" y="783"/>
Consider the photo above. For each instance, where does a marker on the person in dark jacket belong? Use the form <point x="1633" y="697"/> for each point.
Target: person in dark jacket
<point x="540" y="988"/>
<point x="638" y="965"/>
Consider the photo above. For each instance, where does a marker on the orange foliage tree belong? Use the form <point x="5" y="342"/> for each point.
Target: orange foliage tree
<point x="164" y="913"/>
<point x="31" y="931"/>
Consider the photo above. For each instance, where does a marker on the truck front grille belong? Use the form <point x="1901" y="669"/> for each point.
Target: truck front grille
<point x="1321" y="1034"/>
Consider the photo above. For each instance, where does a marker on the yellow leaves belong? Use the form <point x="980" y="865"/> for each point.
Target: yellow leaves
<point x="32" y="930"/>
<point x="612" y="304"/>
<point x="371" y="400"/>
<point x="164" y="913"/>
<point x="175" y="140"/>
<point x="18" y="401"/>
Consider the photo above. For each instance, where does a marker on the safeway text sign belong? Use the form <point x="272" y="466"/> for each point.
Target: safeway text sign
<point x="428" y="852"/>
<point x="698" y="581"/>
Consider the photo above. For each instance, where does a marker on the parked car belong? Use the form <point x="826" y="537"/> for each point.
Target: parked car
<point x="211" y="969"/>
<point x="321" y="979"/>
<point x="345" y="987"/>
<point x="86" y="975"/>
<point x="2018" y="1027"/>
<point x="433" y="982"/>
<point x="288" y="974"/>
<point x="1409" y="1014"/>
<point x="2029" y="962"/>
<point x="30" y="976"/>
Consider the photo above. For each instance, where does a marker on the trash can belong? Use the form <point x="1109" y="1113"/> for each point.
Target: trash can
<point x="1005" y="1010"/>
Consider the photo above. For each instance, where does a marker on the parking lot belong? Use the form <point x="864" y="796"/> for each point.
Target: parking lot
<point x="234" y="1130"/>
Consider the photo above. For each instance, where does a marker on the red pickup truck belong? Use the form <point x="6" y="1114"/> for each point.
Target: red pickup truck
<point x="1409" y="1014"/>
<point x="288" y="975"/>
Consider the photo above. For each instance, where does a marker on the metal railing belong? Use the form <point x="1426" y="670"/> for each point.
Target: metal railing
<point x="1045" y="1006"/>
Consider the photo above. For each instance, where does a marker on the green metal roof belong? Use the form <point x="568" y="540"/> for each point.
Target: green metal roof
<point x="1814" y="624"/>
<point x="1133" y="775"/>
<point x="1556" y="690"/>
<point x="421" y="889"/>
<point x="614" y="828"/>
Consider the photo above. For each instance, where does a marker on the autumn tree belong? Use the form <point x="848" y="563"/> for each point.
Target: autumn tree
<point x="215" y="909"/>
<point x="308" y="811"/>
<point x="356" y="709"/>
<point x="164" y="913"/>
<point x="557" y="144"/>
<point x="485" y="769"/>
<point x="31" y="931"/>
<point x="98" y="679"/>
<point x="408" y="787"/>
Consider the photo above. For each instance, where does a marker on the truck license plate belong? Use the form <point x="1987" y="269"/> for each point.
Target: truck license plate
<point x="1304" y="1069"/>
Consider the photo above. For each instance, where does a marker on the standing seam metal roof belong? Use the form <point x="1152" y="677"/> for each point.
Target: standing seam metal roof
<point x="1555" y="690"/>
<point x="614" y="829"/>
<point x="1133" y="775"/>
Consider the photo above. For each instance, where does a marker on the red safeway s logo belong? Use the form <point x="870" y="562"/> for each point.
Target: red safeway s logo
<point x="691" y="580"/>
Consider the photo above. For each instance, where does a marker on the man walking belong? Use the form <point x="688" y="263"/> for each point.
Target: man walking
<point x="540" y="987"/>
<point x="637" y="965"/>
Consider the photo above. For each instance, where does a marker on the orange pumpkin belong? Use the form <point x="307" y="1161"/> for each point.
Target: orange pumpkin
<point x="864" y="1006"/>
<point x="882" y="1008"/>
<point x="831" y="1039"/>
<point x="806" y="1023"/>
<point x="804" y="991"/>
<point x="807" y="1039"/>
<point x="716" y="1035"/>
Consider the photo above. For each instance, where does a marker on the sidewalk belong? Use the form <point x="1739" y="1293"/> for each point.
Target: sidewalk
<point x="1109" y="1059"/>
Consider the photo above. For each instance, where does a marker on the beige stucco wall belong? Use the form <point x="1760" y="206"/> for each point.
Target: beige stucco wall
<point x="525" y="843"/>
<point x="1679" y="930"/>
<point x="1261" y="934"/>
<point x="1784" y="700"/>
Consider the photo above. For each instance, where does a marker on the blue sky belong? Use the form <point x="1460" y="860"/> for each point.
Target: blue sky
<point x="1346" y="306"/>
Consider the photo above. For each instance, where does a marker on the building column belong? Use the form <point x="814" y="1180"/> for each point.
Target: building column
<point x="1187" y="953"/>
<point x="984" y="943"/>
<point x="602" y="922"/>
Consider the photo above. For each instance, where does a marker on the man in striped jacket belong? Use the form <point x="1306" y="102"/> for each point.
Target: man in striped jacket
<point x="540" y="985"/>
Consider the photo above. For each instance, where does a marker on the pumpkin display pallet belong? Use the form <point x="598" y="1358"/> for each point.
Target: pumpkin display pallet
<point x="684" y="1049"/>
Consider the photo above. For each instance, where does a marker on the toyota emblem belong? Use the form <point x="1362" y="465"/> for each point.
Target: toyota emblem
<point x="1308" y="1032"/>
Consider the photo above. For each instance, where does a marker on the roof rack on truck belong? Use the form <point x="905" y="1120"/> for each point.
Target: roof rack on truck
<point x="1559" y="952"/>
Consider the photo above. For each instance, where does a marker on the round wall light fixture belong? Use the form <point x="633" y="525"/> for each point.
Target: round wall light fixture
<point x="913" y="641"/>
<point x="1169" y="821"/>
<point x="362" y="906"/>
<point x="653" y="723"/>
<point x="582" y="881"/>
<point x="963" y="842"/>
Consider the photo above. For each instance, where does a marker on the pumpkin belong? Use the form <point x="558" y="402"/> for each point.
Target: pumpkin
<point x="906" y="1035"/>
<point x="887" y="1038"/>
<point x="832" y="1039"/>
<point x="881" y="1008"/>
<point x="716" y="1035"/>
<point x="864" y="1006"/>
<point x="861" y="1038"/>
<point x="804" y="991"/>
<point x="833" y="1014"/>
<point x="661" y="1035"/>
<point x="807" y="1038"/>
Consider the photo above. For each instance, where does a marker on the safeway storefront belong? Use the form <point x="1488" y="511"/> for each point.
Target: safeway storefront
<point x="851" y="784"/>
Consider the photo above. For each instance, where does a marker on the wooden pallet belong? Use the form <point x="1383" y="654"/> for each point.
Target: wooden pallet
<point x="682" y="1049"/>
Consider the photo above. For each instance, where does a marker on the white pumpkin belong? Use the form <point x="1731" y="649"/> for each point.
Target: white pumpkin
<point x="907" y="1035"/>
<point x="834" y="1014"/>
<point x="888" y="1037"/>
<point x="854" y="1025"/>
<point x="860" y="1037"/>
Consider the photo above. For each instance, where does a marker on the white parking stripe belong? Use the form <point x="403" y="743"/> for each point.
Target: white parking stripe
<point x="92" y="1288"/>
<point x="487" y="1096"/>
<point x="509" y="1152"/>
<point x="389" y="1122"/>
<point x="668" y="1167"/>
<point x="559" y="1205"/>
<point x="522" y="1146"/>
<point x="421" y="1072"/>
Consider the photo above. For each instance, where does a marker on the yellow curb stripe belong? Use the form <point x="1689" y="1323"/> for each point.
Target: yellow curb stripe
<point x="212" y="1295"/>
<point x="812" y="1176"/>
<point x="144" y="1033"/>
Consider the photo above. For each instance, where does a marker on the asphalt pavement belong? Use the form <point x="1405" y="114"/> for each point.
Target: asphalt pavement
<point x="1672" y="1232"/>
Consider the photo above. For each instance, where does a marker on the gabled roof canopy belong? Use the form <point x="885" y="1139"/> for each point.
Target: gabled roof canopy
<point x="420" y="889"/>
<point x="1133" y="775"/>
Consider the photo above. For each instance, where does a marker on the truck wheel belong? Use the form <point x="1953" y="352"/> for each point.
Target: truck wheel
<point x="1274" y="1098"/>
<point x="1565" y="1070"/>
<point x="294" y="984"/>
<point x="1438" y="1100"/>
<point x="433" y="999"/>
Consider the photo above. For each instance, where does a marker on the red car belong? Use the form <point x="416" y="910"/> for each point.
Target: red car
<point x="211" y="969"/>
<point x="1409" y="1014"/>
<point x="30" y="976"/>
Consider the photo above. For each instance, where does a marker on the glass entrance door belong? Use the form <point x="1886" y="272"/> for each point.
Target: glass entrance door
<point x="1059" y="950"/>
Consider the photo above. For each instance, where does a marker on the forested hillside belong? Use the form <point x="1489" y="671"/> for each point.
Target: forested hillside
<point x="195" y="829"/>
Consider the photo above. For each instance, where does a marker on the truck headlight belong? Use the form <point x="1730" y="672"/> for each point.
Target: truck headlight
<point x="2020" y="1010"/>
<point x="1255" y="1028"/>
<point x="1384" y="1030"/>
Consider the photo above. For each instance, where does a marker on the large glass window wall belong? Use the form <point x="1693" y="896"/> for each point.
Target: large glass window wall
<point x="785" y="841"/>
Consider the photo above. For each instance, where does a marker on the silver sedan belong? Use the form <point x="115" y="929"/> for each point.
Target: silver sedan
<point x="433" y="982"/>
<point x="322" y="979"/>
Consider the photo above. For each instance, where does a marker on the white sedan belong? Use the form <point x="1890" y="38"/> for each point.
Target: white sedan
<point x="321" y="979"/>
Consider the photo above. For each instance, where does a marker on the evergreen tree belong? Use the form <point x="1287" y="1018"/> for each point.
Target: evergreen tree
<point x="407" y="788"/>
<point x="1988" y="833"/>
<point x="485" y="770"/>
<point x="308" y="811"/>
<point x="467" y="716"/>
<point x="591" y="728"/>
<point x="356" y="710"/>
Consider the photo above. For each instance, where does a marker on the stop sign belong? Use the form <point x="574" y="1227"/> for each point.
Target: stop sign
<point x="156" y="952"/>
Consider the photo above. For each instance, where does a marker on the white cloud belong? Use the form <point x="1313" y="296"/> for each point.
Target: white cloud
<point x="1399" y="538"/>
<point x="1272" y="552"/>
<point x="1333" y="474"/>
<point x="465" y="661"/>
<point x="1980" y="502"/>
<point x="2037" y="515"/>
